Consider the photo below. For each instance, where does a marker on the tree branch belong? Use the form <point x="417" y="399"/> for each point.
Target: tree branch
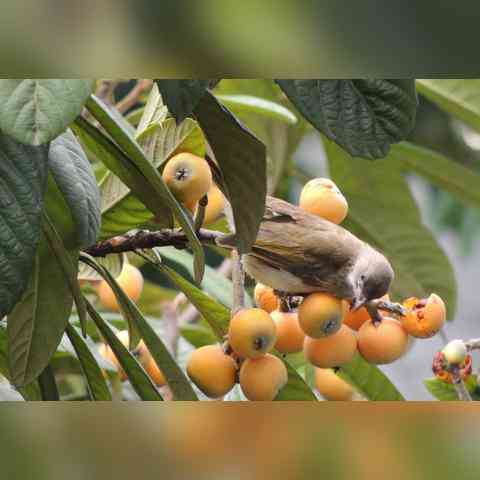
<point x="144" y="240"/>
<point x="133" y="96"/>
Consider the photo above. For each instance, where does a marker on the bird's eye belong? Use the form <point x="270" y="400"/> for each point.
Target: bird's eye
<point x="362" y="277"/>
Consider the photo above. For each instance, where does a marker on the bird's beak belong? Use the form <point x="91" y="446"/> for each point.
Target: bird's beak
<point x="358" y="302"/>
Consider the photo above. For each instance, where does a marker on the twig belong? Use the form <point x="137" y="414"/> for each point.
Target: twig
<point x="133" y="95"/>
<point x="238" y="278"/>
<point x="172" y="333"/>
<point x="459" y="385"/>
<point x="105" y="90"/>
<point x="145" y="240"/>
<point x="473" y="344"/>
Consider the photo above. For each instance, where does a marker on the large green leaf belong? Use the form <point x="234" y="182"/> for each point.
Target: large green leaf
<point x="35" y="111"/>
<point x="218" y="317"/>
<point x="23" y="179"/>
<point x="155" y="110"/>
<point x="440" y="170"/>
<point x="446" y="391"/>
<point x="140" y="381"/>
<point x="75" y="179"/>
<point x="274" y="124"/>
<point x="38" y="321"/>
<point x="119" y="133"/>
<point x="121" y="210"/>
<point x="104" y="150"/>
<point x="363" y="116"/>
<point x="181" y="96"/>
<point x="459" y="97"/>
<point x="383" y="212"/>
<point x="242" y="161"/>
<point x="369" y="380"/>
<point x="68" y="262"/>
<point x="213" y="283"/>
<point x="97" y="385"/>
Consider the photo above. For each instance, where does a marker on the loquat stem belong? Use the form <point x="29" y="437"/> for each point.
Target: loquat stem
<point x="473" y="344"/>
<point x="200" y="215"/>
<point x="458" y="383"/>
<point x="238" y="278"/>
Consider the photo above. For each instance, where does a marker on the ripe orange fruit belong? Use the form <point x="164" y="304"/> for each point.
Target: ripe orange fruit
<point x="355" y="319"/>
<point x="252" y="333"/>
<point x="290" y="336"/>
<point x="130" y="280"/>
<point x="265" y="298"/>
<point x="331" y="351"/>
<point x="425" y="317"/>
<point x="153" y="371"/>
<point x="188" y="177"/>
<point x="331" y="386"/>
<point x="216" y="202"/>
<point x="262" y="378"/>
<point x="213" y="372"/>
<point x="382" y="343"/>
<point x="322" y="197"/>
<point x="321" y="314"/>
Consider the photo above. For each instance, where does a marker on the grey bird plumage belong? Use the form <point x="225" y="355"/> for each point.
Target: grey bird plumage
<point x="297" y="253"/>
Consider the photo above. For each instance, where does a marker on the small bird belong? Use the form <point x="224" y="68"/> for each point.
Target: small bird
<point x="298" y="253"/>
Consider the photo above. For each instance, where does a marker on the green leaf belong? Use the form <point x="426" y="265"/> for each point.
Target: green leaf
<point x="213" y="283"/>
<point x="35" y="111"/>
<point x="446" y="391"/>
<point x="75" y="179"/>
<point x="113" y="263"/>
<point x="127" y="307"/>
<point x="274" y="124"/>
<point x="197" y="335"/>
<point x="218" y="317"/>
<point x="363" y="116"/>
<point x="68" y="262"/>
<point x="48" y="386"/>
<point x="176" y="379"/>
<point x="181" y="96"/>
<point x="383" y="212"/>
<point x="440" y="170"/>
<point x="459" y="97"/>
<point x="23" y="179"/>
<point x="140" y="381"/>
<point x="96" y="382"/>
<point x="241" y="158"/>
<point x="105" y="151"/>
<point x="121" y="211"/>
<point x="36" y="325"/>
<point x="154" y="112"/>
<point x="369" y="380"/>
<point x="152" y="177"/>
<point x="259" y="106"/>
<point x="30" y="392"/>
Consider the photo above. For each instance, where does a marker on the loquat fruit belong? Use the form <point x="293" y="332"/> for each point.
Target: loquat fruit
<point x="131" y="282"/>
<point x="212" y="371"/>
<point x="455" y="352"/>
<point x="153" y="371"/>
<point x="322" y="197"/>
<point x="321" y="314"/>
<point x="355" y="319"/>
<point x="424" y="317"/>
<point x="216" y="202"/>
<point x="262" y="378"/>
<point x="331" y="386"/>
<point x="442" y="368"/>
<point x="331" y="351"/>
<point x="290" y="336"/>
<point x="252" y="333"/>
<point x="265" y="298"/>
<point x="188" y="177"/>
<point x="382" y="343"/>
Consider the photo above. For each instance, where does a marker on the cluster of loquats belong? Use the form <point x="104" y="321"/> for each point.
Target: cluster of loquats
<point x="189" y="178"/>
<point x="252" y="335"/>
<point x="141" y="353"/>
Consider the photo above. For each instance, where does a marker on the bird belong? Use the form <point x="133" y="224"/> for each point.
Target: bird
<point x="298" y="253"/>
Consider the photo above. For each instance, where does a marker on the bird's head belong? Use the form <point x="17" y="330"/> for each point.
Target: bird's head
<point x="370" y="277"/>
